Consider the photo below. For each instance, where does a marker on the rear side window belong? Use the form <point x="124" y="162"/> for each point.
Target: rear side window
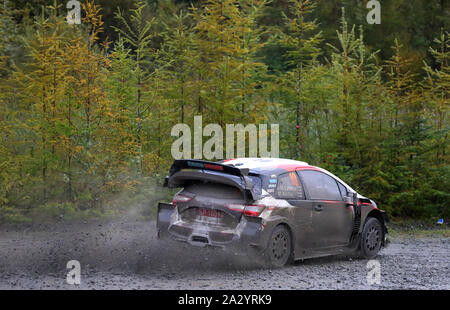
<point x="257" y="184"/>
<point x="215" y="190"/>
<point x="342" y="189"/>
<point x="320" y="185"/>
<point x="289" y="187"/>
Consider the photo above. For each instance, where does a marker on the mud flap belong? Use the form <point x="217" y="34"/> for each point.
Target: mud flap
<point x="354" y="237"/>
<point x="252" y="231"/>
<point x="165" y="211"/>
<point x="386" y="240"/>
<point x="385" y="217"/>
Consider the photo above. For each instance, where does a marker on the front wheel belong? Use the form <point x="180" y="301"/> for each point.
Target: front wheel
<point x="371" y="238"/>
<point x="279" y="250"/>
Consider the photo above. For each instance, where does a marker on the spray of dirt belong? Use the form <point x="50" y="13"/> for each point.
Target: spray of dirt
<point x="124" y="243"/>
<point x="122" y="246"/>
<point x="126" y="254"/>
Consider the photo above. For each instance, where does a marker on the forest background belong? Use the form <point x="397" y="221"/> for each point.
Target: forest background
<point x="86" y="110"/>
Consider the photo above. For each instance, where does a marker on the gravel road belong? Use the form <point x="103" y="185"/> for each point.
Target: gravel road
<point x="126" y="255"/>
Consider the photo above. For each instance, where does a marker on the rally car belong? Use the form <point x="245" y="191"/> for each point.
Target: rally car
<point x="281" y="209"/>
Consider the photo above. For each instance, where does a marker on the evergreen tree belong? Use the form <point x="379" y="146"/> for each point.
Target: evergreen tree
<point x="437" y="83"/>
<point x="301" y="40"/>
<point x="354" y="70"/>
<point x="40" y="93"/>
<point x="137" y="33"/>
<point x="254" y="78"/>
<point x="178" y="54"/>
<point x="226" y="41"/>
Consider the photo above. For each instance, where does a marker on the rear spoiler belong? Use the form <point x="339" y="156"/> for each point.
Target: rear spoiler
<point x="203" y="165"/>
<point x="180" y="164"/>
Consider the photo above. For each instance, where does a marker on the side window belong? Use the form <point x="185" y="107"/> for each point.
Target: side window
<point x="320" y="185"/>
<point x="289" y="187"/>
<point x="342" y="189"/>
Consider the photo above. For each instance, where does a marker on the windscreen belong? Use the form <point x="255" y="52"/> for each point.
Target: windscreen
<point x="214" y="190"/>
<point x="220" y="190"/>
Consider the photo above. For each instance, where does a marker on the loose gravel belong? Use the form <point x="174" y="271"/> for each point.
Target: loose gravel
<point x="127" y="255"/>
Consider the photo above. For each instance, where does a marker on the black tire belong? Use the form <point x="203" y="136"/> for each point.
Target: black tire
<point x="371" y="238"/>
<point x="279" y="249"/>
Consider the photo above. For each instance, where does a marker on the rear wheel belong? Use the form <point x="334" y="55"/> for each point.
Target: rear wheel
<point x="371" y="238"/>
<point x="279" y="250"/>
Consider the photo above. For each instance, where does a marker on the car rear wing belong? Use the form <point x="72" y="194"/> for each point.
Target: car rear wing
<point x="180" y="164"/>
<point x="184" y="169"/>
<point x="205" y="165"/>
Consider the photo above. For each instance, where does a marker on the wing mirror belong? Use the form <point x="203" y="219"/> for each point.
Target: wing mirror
<point x="351" y="198"/>
<point x="348" y="199"/>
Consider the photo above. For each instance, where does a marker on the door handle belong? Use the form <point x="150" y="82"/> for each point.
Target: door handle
<point x="318" y="208"/>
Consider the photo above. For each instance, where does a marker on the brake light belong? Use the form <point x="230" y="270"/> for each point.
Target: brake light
<point x="250" y="210"/>
<point x="213" y="167"/>
<point x="204" y="165"/>
<point x="180" y="198"/>
<point x="254" y="210"/>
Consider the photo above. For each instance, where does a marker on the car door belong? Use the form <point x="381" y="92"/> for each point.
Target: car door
<point x="291" y="189"/>
<point x="332" y="217"/>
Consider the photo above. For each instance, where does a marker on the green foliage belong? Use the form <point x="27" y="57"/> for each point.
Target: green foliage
<point x="301" y="41"/>
<point x="230" y="75"/>
<point x="52" y="211"/>
<point x="137" y="33"/>
<point x="85" y="124"/>
<point x="12" y="215"/>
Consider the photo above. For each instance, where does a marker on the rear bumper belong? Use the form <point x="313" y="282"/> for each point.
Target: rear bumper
<point x="246" y="236"/>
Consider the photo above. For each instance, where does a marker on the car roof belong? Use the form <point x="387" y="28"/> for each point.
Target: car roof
<point x="276" y="166"/>
<point x="264" y="163"/>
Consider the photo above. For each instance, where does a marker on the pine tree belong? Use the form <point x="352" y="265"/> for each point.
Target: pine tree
<point x="229" y="78"/>
<point x="436" y="94"/>
<point x="122" y="80"/>
<point x="2" y="44"/>
<point x="406" y="152"/>
<point x="401" y="79"/>
<point x="137" y="32"/>
<point x="254" y="78"/>
<point x="301" y="40"/>
<point x="8" y="36"/>
<point x="220" y="44"/>
<point x="437" y="83"/>
<point x="177" y="55"/>
<point x="4" y="156"/>
<point x="353" y="67"/>
<point x="101" y="144"/>
<point x="41" y="93"/>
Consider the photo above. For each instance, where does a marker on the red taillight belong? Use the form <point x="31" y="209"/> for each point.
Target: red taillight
<point x="213" y="167"/>
<point x="250" y="210"/>
<point x="254" y="210"/>
<point x="180" y="198"/>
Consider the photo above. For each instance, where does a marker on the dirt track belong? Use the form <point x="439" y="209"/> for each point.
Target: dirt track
<point x="126" y="255"/>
